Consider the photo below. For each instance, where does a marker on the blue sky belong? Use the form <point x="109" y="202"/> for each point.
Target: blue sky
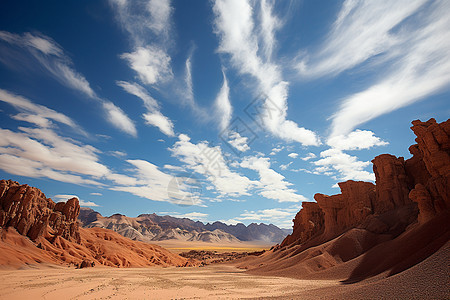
<point x="215" y="110"/>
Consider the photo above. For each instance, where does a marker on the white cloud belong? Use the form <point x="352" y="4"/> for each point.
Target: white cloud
<point x="223" y="107"/>
<point x="96" y="194"/>
<point x="276" y="150"/>
<point x="309" y="156"/>
<point x="273" y="185"/>
<point x="237" y="141"/>
<point x="348" y="167"/>
<point x="151" y="63"/>
<point x="148" y="24"/>
<point x="116" y="116"/>
<point x="153" y="116"/>
<point x="210" y="162"/>
<point x="269" y="24"/>
<point x="42" y="153"/>
<point x="153" y="184"/>
<point x="157" y="119"/>
<point x="293" y="155"/>
<point x="363" y="29"/>
<point x="64" y="198"/>
<point x="144" y="19"/>
<point x="284" y="167"/>
<point x="235" y="27"/>
<point x="196" y="216"/>
<point x="52" y="57"/>
<point x="355" y="140"/>
<point x="281" y="217"/>
<point x="34" y="113"/>
<point x="135" y="89"/>
<point x="406" y="43"/>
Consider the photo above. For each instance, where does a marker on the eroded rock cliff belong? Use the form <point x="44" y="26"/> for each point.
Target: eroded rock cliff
<point x="415" y="190"/>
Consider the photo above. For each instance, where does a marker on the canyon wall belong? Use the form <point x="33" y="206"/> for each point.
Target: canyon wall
<point x="406" y="192"/>
<point x="34" y="229"/>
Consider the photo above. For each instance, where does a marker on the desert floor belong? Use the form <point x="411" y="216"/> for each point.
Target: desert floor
<point x="184" y="246"/>
<point x="211" y="282"/>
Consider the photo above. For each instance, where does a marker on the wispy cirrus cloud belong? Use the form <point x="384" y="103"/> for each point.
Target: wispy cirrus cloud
<point x="35" y="113"/>
<point x="153" y="116"/>
<point x="362" y="29"/>
<point x="223" y="108"/>
<point x="51" y="56"/>
<point x="235" y="26"/>
<point x="148" y="24"/>
<point x="405" y="43"/>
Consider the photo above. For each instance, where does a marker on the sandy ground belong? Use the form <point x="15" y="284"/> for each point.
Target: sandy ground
<point x="184" y="246"/>
<point x="211" y="282"/>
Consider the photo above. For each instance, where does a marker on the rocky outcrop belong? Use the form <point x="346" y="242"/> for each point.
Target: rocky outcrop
<point x="308" y="222"/>
<point x="417" y="189"/>
<point x="432" y="188"/>
<point x="34" y="229"/>
<point x="32" y="214"/>
<point x="391" y="181"/>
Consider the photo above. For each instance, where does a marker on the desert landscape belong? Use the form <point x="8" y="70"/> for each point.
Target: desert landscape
<point x="390" y="239"/>
<point x="225" y="149"/>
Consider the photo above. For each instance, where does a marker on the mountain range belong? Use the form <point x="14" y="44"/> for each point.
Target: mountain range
<point x="152" y="227"/>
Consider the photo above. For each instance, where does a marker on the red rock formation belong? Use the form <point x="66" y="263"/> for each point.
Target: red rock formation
<point x="32" y="214"/>
<point x="308" y="223"/>
<point x="432" y="190"/>
<point x="391" y="183"/>
<point x="389" y="206"/>
<point x="56" y="237"/>
<point x="348" y="209"/>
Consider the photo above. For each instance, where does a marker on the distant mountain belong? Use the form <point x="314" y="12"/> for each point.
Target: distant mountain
<point x="152" y="227"/>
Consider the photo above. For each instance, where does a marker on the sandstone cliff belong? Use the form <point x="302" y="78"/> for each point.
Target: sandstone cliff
<point x="34" y="229"/>
<point x="423" y="179"/>
<point x="368" y="229"/>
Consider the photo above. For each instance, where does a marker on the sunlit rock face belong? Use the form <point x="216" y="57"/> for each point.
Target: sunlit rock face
<point x="406" y="192"/>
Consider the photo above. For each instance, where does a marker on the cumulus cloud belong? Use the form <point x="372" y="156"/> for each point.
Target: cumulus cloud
<point x="52" y="58"/>
<point x="40" y="152"/>
<point x="234" y="25"/>
<point x="151" y="183"/>
<point x="340" y="165"/>
<point x="273" y="185"/>
<point x="281" y="217"/>
<point x="284" y="167"/>
<point x="210" y="162"/>
<point x="309" y="156"/>
<point x="238" y="142"/>
<point x="355" y="140"/>
<point x="196" y="216"/>
<point x="293" y="155"/>
<point x="64" y="198"/>
<point x="153" y="116"/>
